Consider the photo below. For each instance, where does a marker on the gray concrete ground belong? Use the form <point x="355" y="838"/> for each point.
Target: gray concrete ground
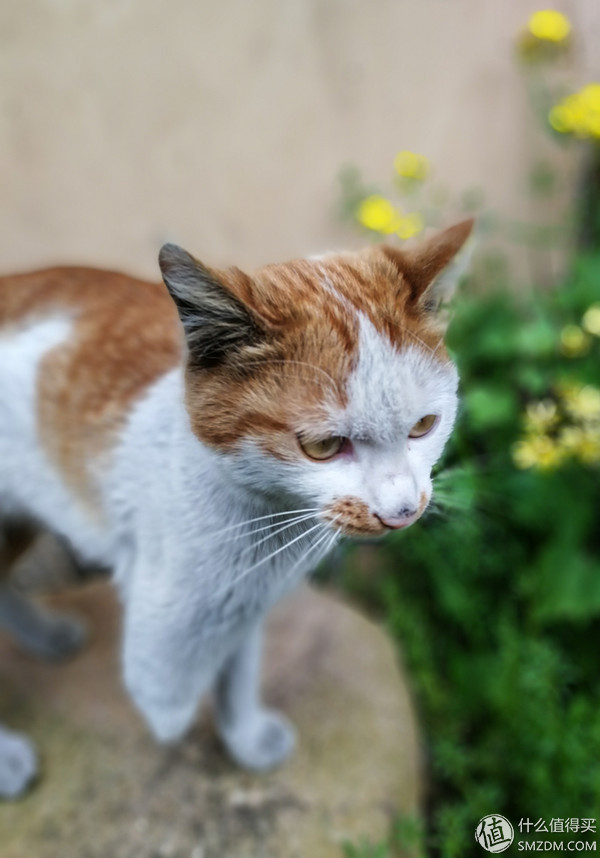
<point x="108" y="791"/>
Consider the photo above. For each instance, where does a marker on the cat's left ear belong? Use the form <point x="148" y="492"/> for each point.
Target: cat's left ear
<point x="434" y="267"/>
<point x="217" y="324"/>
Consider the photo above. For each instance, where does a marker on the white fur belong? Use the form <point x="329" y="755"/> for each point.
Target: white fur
<point x="29" y="481"/>
<point x="195" y="584"/>
<point x="388" y="392"/>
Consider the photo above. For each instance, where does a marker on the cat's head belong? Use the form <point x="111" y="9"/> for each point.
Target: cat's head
<point x="325" y="381"/>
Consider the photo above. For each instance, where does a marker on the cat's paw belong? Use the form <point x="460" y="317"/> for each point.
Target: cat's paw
<point x="262" y="742"/>
<point x="56" y="638"/>
<point x="168" y="718"/>
<point x="18" y="764"/>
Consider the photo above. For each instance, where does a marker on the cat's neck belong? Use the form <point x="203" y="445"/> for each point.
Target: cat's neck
<point x="194" y="470"/>
<point x="211" y="507"/>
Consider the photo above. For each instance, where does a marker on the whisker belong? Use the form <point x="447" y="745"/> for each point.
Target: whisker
<point x="272" y="524"/>
<point x="329" y="545"/>
<point x="318" y="542"/>
<point x="298" y="363"/>
<point x="447" y="502"/>
<point x="288" y="524"/>
<point x="326" y="538"/>
<point x="270" y="556"/>
<point x="264" y="517"/>
<point x="418" y="339"/>
<point x="422" y="342"/>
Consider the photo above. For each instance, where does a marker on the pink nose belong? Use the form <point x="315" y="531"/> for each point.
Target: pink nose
<point x="405" y="517"/>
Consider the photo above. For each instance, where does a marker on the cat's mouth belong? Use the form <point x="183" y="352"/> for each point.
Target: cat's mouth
<point x="353" y="517"/>
<point x="400" y="522"/>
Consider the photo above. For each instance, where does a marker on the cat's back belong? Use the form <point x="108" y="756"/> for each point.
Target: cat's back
<point x="78" y="346"/>
<point x="100" y="306"/>
<point x="74" y="287"/>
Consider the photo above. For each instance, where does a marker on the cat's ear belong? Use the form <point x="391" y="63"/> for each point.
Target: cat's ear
<point x="216" y="323"/>
<point x="434" y="267"/>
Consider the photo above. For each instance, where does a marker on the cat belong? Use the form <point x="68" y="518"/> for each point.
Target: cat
<point x="210" y="442"/>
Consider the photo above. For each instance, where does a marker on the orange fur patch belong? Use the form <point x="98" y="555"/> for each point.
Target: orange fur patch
<point x="126" y="334"/>
<point x="309" y="307"/>
<point x="278" y="387"/>
<point x="371" y="285"/>
<point x="354" y="517"/>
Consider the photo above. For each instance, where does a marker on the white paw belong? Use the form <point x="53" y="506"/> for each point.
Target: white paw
<point x="262" y="742"/>
<point x="168" y="718"/>
<point x="18" y="763"/>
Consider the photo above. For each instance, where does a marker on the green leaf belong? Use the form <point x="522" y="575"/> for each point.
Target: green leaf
<point x="488" y="408"/>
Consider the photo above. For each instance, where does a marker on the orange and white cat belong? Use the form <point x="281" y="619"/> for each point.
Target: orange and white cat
<point x="210" y="442"/>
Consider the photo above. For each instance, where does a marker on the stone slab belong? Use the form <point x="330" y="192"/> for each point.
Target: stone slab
<point x="107" y="790"/>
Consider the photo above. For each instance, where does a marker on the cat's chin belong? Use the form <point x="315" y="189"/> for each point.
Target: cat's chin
<point x="359" y="533"/>
<point x="374" y="529"/>
<point x="366" y="535"/>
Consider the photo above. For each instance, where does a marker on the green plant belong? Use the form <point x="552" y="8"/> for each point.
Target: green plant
<point x="405" y="838"/>
<point x="496" y="599"/>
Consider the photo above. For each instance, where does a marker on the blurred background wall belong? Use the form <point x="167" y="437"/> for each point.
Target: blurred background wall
<point x="223" y="125"/>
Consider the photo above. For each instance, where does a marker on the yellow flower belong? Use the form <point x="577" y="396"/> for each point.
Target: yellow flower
<point x="538" y="451"/>
<point x="591" y="320"/>
<point x="410" y="225"/>
<point x="573" y="341"/>
<point x="582" y="443"/>
<point x="556" y="432"/>
<point x="593" y="125"/>
<point x="409" y="165"/>
<point x="561" y="119"/>
<point x="571" y="438"/>
<point x="378" y="214"/>
<point x="579" y="113"/>
<point x="549" y="25"/>
<point x="588" y="451"/>
<point x="590" y="96"/>
<point x="541" y="416"/>
<point x="582" y="403"/>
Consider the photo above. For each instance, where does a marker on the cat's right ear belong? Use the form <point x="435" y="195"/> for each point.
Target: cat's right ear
<point x="217" y="324"/>
<point x="433" y="268"/>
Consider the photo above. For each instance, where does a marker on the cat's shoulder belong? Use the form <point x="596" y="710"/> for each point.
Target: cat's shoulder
<point x="121" y="335"/>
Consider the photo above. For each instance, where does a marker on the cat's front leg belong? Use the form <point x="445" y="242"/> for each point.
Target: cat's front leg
<point x="257" y="738"/>
<point x="170" y="660"/>
<point x="166" y="665"/>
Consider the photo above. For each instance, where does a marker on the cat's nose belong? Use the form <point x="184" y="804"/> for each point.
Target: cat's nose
<point x="407" y="515"/>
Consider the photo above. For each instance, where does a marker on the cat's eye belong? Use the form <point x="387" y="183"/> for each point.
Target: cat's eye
<point x="321" y="450"/>
<point x="423" y="426"/>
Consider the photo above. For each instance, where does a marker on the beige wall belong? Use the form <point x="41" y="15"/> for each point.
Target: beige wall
<point x="223" y="125"/>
